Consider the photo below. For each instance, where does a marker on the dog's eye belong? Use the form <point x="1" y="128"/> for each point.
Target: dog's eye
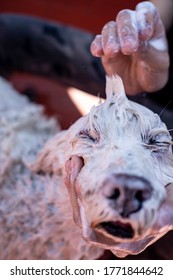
<point x="161" y="140"/>
<point x="88" y="135"/>
<point x="158" y="142"/>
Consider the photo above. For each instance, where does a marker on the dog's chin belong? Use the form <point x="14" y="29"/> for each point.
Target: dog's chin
<point x="107" y="234"/>
<point x="118" y="237"/>
<point x="116" y="234"/>
<point x="122" y="237"/>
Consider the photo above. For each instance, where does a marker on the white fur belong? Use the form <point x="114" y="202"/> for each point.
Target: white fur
<point x="36" y="218"/>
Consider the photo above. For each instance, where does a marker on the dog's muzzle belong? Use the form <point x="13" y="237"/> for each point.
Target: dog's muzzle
<point x="126" y="195"/>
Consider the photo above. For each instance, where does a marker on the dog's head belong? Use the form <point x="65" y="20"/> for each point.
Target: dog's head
<point x="119" y="160"/>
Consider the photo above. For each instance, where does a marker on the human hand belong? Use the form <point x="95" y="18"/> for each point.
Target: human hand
<point x="134" y="46"/>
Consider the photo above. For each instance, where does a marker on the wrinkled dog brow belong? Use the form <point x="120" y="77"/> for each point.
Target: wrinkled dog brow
<point x="127" y="162"/>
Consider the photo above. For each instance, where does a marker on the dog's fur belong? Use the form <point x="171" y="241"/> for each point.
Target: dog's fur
<point x="120" y="146"/>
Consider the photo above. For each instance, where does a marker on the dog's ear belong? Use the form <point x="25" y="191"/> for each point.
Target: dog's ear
<point x="51" y="158"/>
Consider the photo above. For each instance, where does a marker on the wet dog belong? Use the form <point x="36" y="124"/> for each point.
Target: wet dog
<point x="99" y="185"/>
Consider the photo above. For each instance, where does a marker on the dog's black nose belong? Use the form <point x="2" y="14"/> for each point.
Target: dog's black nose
<point x="127" y="193"/>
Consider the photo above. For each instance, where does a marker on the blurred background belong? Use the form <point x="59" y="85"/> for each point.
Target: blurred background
<point x="65" y="102"/>
<point x="87" y="14"/>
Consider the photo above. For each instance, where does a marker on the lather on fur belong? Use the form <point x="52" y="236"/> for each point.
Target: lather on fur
<point x="115" y="163"/>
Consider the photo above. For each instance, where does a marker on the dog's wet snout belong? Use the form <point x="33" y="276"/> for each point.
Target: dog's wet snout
<point x="127" y="193"/>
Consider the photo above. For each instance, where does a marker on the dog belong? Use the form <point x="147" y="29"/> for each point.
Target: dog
<point x="98" y="185"/>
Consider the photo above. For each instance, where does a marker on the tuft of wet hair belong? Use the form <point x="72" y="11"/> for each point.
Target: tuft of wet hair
<point x="115" y="89"/>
